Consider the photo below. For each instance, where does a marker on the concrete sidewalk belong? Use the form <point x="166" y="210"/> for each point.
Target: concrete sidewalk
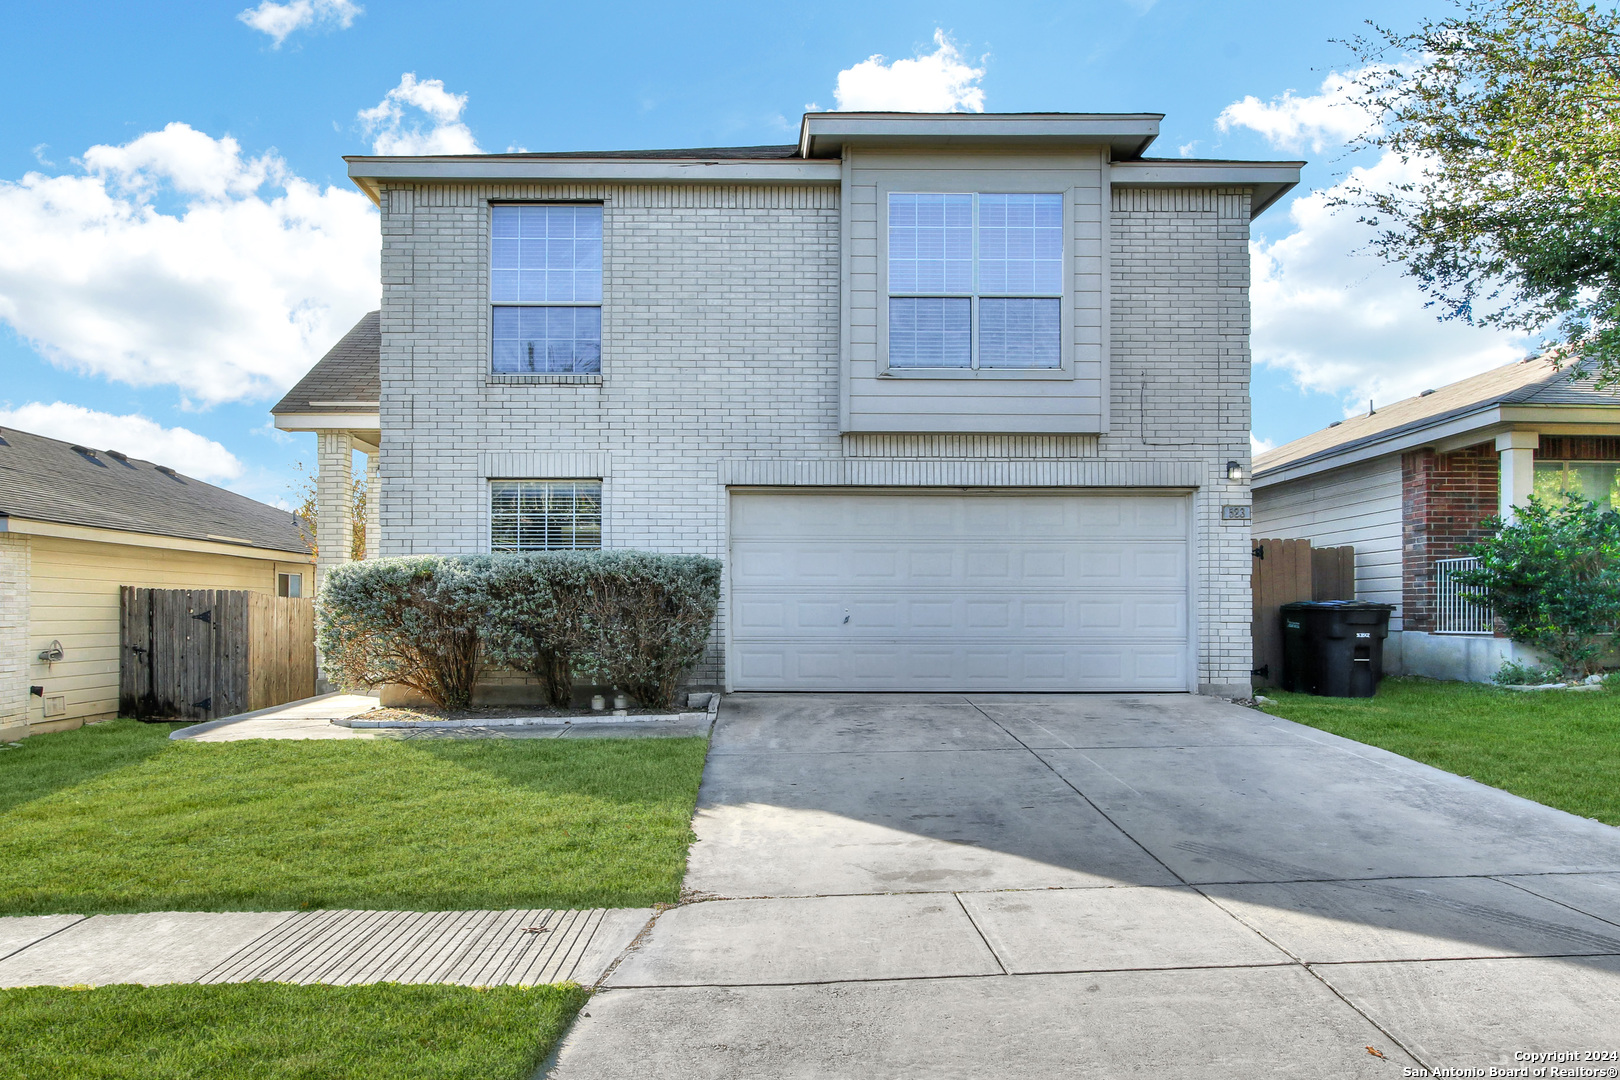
<point x="309" y="718"/>
<point x="923" y="886"/>
<point x="468" y="948"/>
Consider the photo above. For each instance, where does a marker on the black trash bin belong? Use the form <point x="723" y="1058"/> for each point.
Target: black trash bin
<point x="1334" y="648"/>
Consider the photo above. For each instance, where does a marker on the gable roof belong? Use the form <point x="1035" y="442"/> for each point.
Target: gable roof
<point x="346" y="379"/>
<point x="48" y="480"/>
<point x="1534" y="381"/>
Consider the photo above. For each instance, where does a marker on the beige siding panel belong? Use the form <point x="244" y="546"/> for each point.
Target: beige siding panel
<point x="1358" y="506"/>
<point x="985" y="405"/>
<point x="73" y="593"/>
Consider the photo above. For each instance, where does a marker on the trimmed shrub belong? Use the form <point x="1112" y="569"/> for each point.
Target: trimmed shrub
<point x="644" y="619"/>
<point x="532" y="620"/>
<point x="1552" y="575"/>
<point x="633" y="620"/>
<point x="412" y="620"/>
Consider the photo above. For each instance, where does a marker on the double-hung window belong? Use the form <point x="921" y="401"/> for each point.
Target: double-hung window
<point x="545" y="288"/>
<point x="545" y="515"/>
<point x="975" y="281"/>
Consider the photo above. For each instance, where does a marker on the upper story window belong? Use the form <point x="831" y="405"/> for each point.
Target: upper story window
<point x="545" y="515"/>
<point x="975" y="280"/>
<point x="545" y="288"/>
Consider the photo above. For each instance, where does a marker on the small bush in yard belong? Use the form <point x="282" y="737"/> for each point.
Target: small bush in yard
<point x="412" y="620"/>
<point x="644" y="619"/>
<point x="1513" y="673"/>
<point x="532" y="619"/>
<point x="1553" y="577"/>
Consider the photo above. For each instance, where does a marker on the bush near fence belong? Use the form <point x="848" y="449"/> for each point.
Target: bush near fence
<point x="634" y="620"/>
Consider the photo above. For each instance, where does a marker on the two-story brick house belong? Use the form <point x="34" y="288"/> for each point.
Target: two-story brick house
<point x="960" y="400"/>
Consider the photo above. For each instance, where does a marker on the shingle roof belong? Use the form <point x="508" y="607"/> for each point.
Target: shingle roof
<point x="1526" y="382"/>
<point x="345" y="379"/>
<point x="47" y="480"/>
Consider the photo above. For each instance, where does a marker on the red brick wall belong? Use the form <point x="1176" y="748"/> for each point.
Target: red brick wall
<point x="1444" y="497"/>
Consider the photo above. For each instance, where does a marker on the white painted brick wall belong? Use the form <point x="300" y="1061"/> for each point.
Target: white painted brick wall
<point x="13" y="630"/>
<point x="720" y="342"/>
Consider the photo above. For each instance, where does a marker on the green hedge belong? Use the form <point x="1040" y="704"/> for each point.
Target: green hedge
<point x="633" y="620"/>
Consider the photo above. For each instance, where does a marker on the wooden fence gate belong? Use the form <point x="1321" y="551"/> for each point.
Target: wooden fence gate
<point x="1284" y="572"/>
<point x="199" y="654"/>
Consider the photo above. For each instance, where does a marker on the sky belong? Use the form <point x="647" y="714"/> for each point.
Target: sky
<point x="179" y="241"/>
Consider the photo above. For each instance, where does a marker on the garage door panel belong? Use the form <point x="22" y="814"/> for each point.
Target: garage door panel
<point x="839" y="591"/>
<point x="924" y="616"/>
<point x="1087" y="667"/>
<point x="948" y="565"/>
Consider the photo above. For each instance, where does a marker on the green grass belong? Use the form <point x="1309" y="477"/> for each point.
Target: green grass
<point x="113" y="817"/>
<point x="277" y="1031"/>
<point x="1561" y="749"/>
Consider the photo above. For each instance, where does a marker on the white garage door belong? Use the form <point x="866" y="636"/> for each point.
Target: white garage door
<point x="837" y="591"/>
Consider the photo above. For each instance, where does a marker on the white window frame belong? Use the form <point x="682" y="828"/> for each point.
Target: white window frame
<point x="976" y="183"/>
<point x="492" y="303"/>
<point x="284" y="585"/>
<point x="489" y="503"/>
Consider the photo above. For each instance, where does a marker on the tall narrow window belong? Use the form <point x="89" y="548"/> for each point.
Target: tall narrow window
<point x="545" y="515"/>
<point x="975" y="281"/>
<point x="545" y="287"/>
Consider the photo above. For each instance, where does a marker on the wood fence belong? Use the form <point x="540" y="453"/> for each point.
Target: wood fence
<point x="200" y="654"/>
<point x="1284" y="572"/>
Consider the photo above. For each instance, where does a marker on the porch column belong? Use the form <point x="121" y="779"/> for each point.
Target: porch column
<point x="373" y="504"/>
<point x="334" y="502"/>
<point x="1516" y="479"/>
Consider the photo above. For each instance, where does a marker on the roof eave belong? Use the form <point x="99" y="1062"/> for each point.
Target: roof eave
<point x="369" y="173"/>
<point x="1128" y="135"/>
<point x="1269" y="180"/>
<point x="1483" y="420"/>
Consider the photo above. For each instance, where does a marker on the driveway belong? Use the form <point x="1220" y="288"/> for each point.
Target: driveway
<point x="948" y="885"/>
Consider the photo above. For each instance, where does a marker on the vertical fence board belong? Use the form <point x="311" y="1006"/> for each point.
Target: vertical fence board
<point x="1281" y="574"/>
<point x="1333" y="573"/>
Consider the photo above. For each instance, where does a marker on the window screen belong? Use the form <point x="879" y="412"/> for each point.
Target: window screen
<point x="545" y="515"/>
<point x="545" y="283"/>
<point x="975" y="281"/>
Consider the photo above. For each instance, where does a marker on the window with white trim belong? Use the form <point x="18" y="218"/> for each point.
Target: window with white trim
<point x="975" y="280"/>
<point x="290" y="585"/>
<point x="545" y="515"/>
<point x="545" y="288"/>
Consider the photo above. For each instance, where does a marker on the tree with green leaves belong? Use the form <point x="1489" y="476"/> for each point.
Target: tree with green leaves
<point x="1552" y="575"/>
<point x="1509" y="113"/>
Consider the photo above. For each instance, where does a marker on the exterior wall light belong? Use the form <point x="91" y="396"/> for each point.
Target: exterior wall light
<point x="1234" y="471"/>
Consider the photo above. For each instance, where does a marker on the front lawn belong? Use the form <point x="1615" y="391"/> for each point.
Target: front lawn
<point x="114" y="817"/>
<point x="1562" y="749"/>
<point x="277" y="1031"/>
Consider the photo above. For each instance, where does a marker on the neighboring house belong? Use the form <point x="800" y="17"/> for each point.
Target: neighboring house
<point x="77" y="523"/>
<point x="1409" y="485"/>
<point x="962" y="401"/>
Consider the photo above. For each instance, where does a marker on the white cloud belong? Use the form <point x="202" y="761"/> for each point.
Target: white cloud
<point x="232" y="295"/>
<point x="280" y="20"/>
<point x="133" y="434"/>
<point x="940" y="81"/>
<point x="1341" y="321"/>
<point x="446" y="133"/>
<point x="1258" y="446"/>
<point x="1328" y="118"/>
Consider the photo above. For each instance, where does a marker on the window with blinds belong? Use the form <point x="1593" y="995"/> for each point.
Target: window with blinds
<point x="975" y="280"/>
<point x="545" y="515"/>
